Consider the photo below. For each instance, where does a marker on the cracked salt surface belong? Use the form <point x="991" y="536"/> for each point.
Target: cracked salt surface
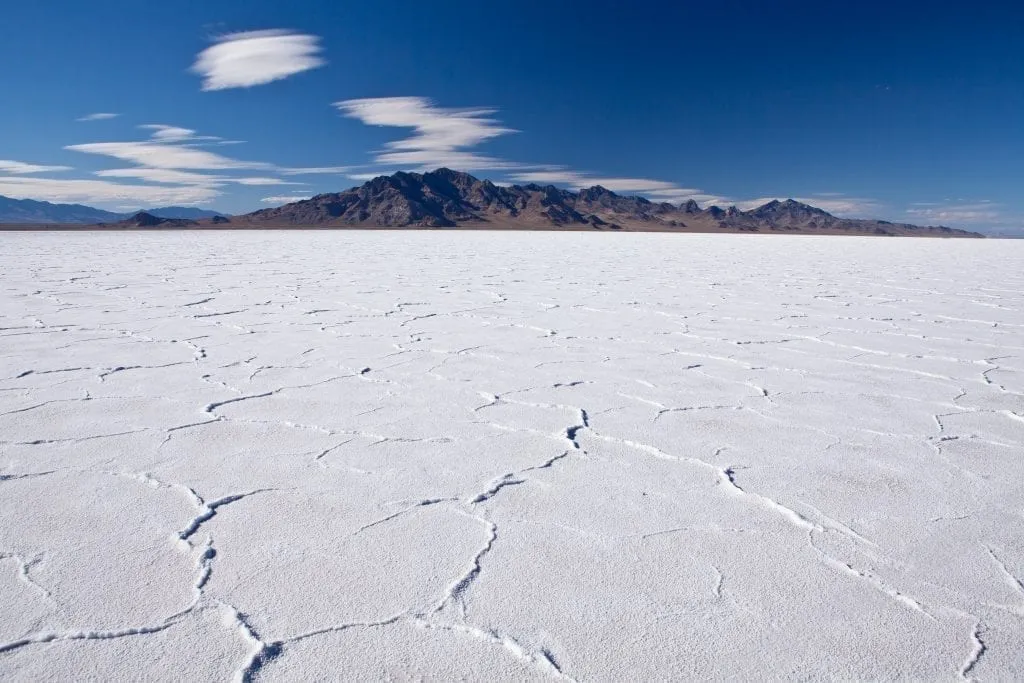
<point x="305" y="455"/>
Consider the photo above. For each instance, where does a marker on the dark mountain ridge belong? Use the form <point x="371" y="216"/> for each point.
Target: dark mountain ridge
<point x="447" y="198"/>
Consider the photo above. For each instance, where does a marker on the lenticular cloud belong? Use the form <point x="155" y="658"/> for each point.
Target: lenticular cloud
<point x="242" y="60"/>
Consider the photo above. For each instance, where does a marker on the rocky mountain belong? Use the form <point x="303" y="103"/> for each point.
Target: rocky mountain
<point x="29" y="211"/>
<point x="447" y="198"/>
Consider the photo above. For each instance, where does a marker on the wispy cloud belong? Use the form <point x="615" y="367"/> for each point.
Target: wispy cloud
<point x="22" y="168"/>
<point x="157" y="155"/>
<point x="263" y="181"/>
<point x="165" y="176"/>
<point x="98" y="116"/>
<point x="171" y="157"/>
<point x="178" y="177"/>
<point x="284" y="199"/>
<point x="315" y="170"/>
<point x="243" y="60"/>
<point x="958" y="212"/>
<point x="440" y="136"/>
<point x="364" y="177"/>
<point x="102" y="191"/>
<point x="166" y="133"/>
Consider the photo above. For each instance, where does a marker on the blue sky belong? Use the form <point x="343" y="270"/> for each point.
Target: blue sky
<point x="906" y="111"/>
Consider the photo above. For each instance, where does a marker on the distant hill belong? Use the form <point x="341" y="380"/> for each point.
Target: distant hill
<point x="187" y="212"/>
<point x="446" y="198"/>
<point x="144" y="219"/>
<point x="29" y="211"/>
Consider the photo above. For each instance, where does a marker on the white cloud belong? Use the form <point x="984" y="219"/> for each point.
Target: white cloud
<point x="440" y="135"/>
<point x="98" y="116"/>
<point x="102" y="191"/>
<point x="847" y="206"/>
<point x="314" y="170"/>
<point x="959" y="212"/>
<point x="263" y="181"/>
<point x="168" y="133"/>
<point x="168" y="168"/>
<point x="177" y="134"/>
<point x="155" y="155"/>
<point x="177" y="177"/>
<point x="165" y="133"/>
<point x="22" y="168"/>
<point x="285" y="199"/>
<point x="243" y="60"/>
<point x="364" y="177"/>
<point x="164" y="175"/>
<point x="170" y="158"/>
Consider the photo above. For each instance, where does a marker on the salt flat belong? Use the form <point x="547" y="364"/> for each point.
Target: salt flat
<point x="310" y="455"/>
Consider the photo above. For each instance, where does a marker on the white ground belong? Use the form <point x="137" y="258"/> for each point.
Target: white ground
<point x="506" y="456"/>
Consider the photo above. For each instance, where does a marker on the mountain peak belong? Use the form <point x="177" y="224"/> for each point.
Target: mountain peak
<point x="787" y="207"/>
<point x="595" y="193"/>
<point x="451" y="175"/>
<point x="144" y="219"/>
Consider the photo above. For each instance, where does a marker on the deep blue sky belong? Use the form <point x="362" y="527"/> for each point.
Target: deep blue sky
<point x="907" y="111"/>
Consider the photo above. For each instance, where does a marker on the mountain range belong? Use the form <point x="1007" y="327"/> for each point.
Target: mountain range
<point x="29" y="211"/>
<point x="446" y="199"/>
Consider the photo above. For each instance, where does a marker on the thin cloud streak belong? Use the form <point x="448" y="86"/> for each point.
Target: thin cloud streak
<point x="976" y="212"/>
<point x="22" y="168"/>
<point x="285" y="199"/>
<point x="172" y="158"/>
<point x="164" y="176"/>
<point x="156" y="155"/>
<point x="315" y="170"/>
<point x="101" y="191"/>
<point x="263" y="181"/>
<point x="177" y="134"/>
<point x="98" y="116"/>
